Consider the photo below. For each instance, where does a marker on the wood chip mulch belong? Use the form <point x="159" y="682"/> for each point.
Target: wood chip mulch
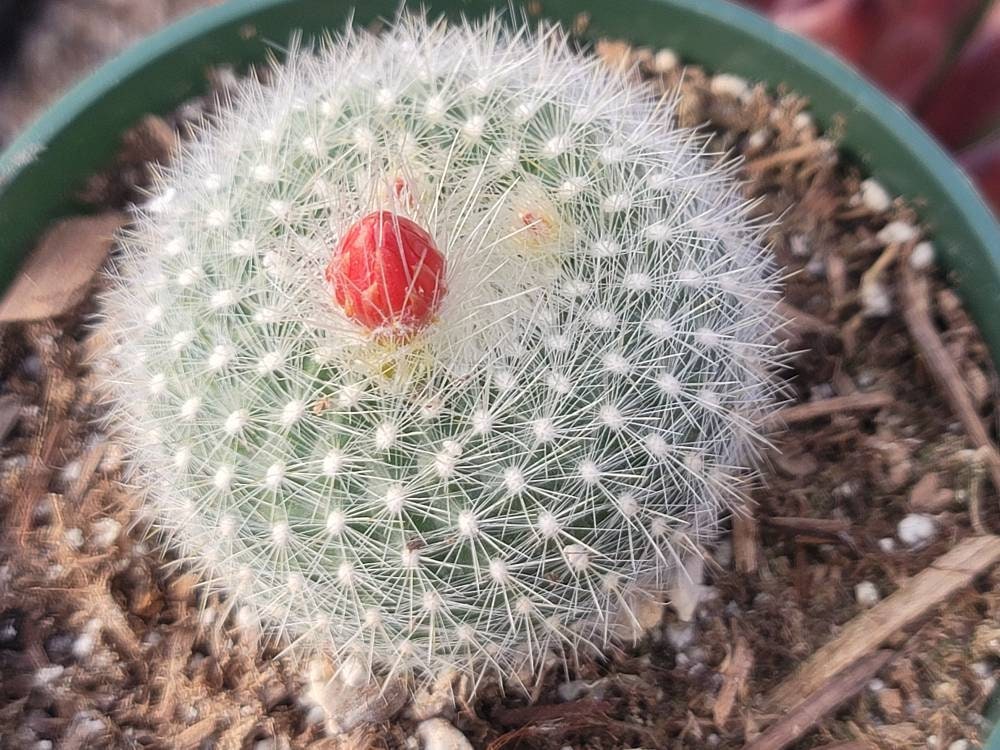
<point x="819" y="627"/>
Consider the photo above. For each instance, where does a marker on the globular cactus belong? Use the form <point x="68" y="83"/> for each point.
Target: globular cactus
<point x="440" y="345"/>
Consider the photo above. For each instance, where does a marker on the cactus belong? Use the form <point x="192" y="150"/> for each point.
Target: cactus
<point x="440" y="345"/>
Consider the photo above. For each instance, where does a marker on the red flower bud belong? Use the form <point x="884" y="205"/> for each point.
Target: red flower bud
<point x="387" y="275"/>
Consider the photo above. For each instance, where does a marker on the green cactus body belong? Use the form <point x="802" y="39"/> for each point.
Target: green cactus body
<point x="572" y="421"/>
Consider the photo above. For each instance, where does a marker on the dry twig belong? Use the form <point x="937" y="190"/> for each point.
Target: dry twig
<point x="829" y="406"/>
<point x="952" y="571"/>
<point x="874" y="271"/>
<point x="917" y="314"/>
<point x="792" y="155"/>
<point x="833" y="692"/>
<point x="798" y="322"/>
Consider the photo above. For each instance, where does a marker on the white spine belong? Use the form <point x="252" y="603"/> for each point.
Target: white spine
<point x="575" y="419"/>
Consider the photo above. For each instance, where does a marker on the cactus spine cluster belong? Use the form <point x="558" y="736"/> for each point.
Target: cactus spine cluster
<point x="476" y="477"/>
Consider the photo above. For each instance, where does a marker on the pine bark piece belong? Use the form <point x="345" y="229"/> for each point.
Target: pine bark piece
<point x="746" y="541"/>
<point x="931" y="587"/>
<point x="58" y="274"/>
<point x="834" y="691"/>
<point x="735" y="673"/>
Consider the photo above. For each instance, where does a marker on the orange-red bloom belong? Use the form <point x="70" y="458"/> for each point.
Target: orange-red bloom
<point x="387" y="274"/>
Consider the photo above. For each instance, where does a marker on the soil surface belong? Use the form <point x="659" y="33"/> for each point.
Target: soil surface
<point x="880" y="472"/>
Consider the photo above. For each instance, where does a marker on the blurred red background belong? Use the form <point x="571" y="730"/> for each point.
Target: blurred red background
<point x="940" y="58"/>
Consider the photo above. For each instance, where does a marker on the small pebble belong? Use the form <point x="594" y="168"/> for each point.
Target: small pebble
<point x="315" y="715"/>
<point x="800" y="246"/>
<point x="982" y="669"/>
<point x="45" y="675"/>
<point x="816" y="268"/>
<point x="59" y="646"/>
<point x="875" y="197"/>
<point x="846" y="489"/>
<point x="31" y="367"/>
<point x="70" y="472"/>
<point x="665" y="60"/>
<point x="932" y="742"/>
<point x="570" y="691"/>
<point x="438" y="734"/>
<point x="875" y="300"/>
<point x="959" y="745"/>
<point x="8" y="631"/>
<point x="887" y="544"/>
<point x="43" y="745"/>
<point x="897" y="232"/>
<point x="88" y="726"/>
<point x="922" y="256"/>
<point x="759" y="139"/>
<point x="104" y="533"/>
<point x="802" y="121"/>
<point x="988" y="685"/>
<point x="44" y="508"/>
<point x="13" y="464"/>
<point x="74" y="538"/>
<point x="876" y="685"/>
<point x="726" y="84"/>
<point x="207" y="616"/>
<point x="112" y="458"/>
<point x="680" y="635"/>
<point x="821" y="391"/>
<point x="916" y="530"/>
<point x="866" y="379"/>
<point x="354" y="673"/>
<point x="83" y="646"/>
<point x="866" y="594"/>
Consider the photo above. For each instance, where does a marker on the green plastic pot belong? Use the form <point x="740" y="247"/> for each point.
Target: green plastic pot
<point x="42" y="171"/>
